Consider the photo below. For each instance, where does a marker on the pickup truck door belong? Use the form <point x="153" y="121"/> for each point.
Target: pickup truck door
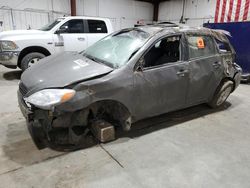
<point x="74" y="37"/>
<point x="96" y="30"/>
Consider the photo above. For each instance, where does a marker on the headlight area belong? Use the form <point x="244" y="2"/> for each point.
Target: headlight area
<point x="53" y="123"/>
<point x="8" y="45"/>
<point x="9" y="53"/>
<point x="60" y="130"/>
<point x="48" y="98"/>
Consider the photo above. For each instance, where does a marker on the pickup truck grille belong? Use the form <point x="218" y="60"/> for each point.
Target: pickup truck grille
<point x="22" y="88"/>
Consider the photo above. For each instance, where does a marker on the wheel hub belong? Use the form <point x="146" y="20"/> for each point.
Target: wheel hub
<point x="33" y="61"/>
<point x="224" y="95"/>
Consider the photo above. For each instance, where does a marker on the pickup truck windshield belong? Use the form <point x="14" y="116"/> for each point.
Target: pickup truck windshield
<point x="115" y="50"/>
<point x="50" y="25"/>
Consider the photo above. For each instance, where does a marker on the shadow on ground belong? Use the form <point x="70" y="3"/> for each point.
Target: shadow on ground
<point x="12" y="75"/>
<point x="25" y="153"/>
<point x="19" y="147"/>
<point x="147" y="126"/>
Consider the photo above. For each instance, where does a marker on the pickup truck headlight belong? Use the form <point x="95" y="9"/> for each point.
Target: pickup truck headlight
<point x="48" y="98"/>
<point x="8" y="45"/>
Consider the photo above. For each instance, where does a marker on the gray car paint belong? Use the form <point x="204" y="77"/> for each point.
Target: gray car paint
<point x="159" y="86"/>
<point x="143" y="93"/>
<point x="60" y="70"/>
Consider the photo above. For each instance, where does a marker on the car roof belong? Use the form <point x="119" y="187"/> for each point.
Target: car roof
<point x="171" y="28"/>
<point x="168" y="28"/>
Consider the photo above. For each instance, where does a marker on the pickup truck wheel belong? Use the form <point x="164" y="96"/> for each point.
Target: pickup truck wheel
<point x="30" y="59"/>
<point x="221" y="95"/>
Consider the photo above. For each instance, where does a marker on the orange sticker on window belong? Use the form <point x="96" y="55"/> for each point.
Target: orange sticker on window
<point x="200" y="43"/>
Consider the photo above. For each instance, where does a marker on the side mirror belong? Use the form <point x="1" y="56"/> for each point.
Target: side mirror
<point x="62" y="29"/>
<point x="140" y="65"/>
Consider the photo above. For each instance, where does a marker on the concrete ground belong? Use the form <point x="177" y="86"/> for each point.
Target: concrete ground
<point x="196" y="147"/>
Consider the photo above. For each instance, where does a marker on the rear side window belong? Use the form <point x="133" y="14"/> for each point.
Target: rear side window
<point x="200" y="46"/>
<point x="97" y="26"/>
<point x="223" y="47"/>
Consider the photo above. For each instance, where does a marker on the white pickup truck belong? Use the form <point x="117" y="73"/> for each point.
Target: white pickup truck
<point x="23" y="48"/>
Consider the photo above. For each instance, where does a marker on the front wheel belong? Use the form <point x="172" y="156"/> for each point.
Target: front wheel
<point x="221" y="95"/>
<point x="30" y="59"/>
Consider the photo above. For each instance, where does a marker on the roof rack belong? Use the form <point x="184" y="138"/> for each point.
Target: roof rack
<point x="160" y="24"/>
<point x="166" y="23"/>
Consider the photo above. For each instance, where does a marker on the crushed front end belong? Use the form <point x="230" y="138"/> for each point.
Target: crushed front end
<point x="53" y="128"/>
<point x="62" y="129"/>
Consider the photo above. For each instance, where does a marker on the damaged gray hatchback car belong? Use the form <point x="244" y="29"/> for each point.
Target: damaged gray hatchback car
<point x="125" y="77"/>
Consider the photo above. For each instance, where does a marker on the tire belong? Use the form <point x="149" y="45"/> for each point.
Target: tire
<point x="27" y="59"/>
<point x="60" y="141"/>
<point x="221" y="94"/>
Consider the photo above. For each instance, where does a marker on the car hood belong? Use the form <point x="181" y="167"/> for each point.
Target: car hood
<point x="7" y="34"/>
<point x="61" y="70"/>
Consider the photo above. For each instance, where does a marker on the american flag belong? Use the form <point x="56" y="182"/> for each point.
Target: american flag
<point x="231" y="11"/>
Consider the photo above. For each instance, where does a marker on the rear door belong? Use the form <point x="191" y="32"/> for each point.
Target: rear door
<point x="206" y="68"/>
<point x="95" y="30"/>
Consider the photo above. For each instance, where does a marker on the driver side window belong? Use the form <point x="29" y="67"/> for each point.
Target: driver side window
<point x="164" y="51"/>
<point x="74" y="26"/>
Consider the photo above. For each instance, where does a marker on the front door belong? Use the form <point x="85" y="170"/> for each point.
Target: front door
<point x="74" y="38"/>
<point x="161" y="84"/>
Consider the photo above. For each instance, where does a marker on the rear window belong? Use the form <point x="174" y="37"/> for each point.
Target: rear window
<point x="200" y="46"/>
<point x="223" y="47"/>
<point x="97" y="26"/>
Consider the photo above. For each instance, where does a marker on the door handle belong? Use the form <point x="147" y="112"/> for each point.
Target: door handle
<point x="81" y="38"/>
<point x="216" y="64"/>
<point x="182" y="73"/>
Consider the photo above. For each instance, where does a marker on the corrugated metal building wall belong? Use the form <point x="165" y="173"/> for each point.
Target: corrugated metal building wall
<point x="24" y="14"/>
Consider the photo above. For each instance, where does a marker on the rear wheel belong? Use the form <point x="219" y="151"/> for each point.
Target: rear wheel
<point x="221" y="95"/>
<point x="30" y="59"/>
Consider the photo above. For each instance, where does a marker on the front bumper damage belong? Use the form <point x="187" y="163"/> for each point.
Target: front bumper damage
<point x="9" y="58"/>
<point x="33" y="126"/>
<point x="65" y="131"/>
